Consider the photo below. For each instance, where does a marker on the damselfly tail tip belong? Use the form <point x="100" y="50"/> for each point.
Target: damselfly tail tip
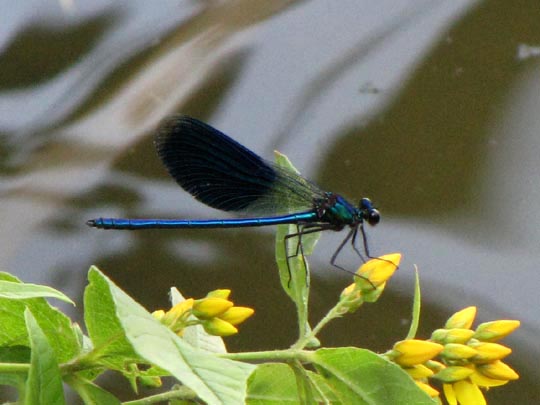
<point x="91" y="222"/>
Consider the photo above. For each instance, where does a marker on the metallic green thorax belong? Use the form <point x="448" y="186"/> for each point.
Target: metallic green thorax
<point x="336" y="210"/>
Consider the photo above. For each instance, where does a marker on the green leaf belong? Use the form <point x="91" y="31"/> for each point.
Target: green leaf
<point x="275" y="383"/>
<point x="294" y="275"/>
<point x="55" y="325"/>
<point x="325" y="392"/>
<point x="359" y="376"/>
<point x="198" y="338"/>
<point x="272" y="383"/>
<point x="104" y="329"/>
<point x="310" y="240"/>
<point x="417" y="302"/>
<point x="15" y="354"/>
<point x="293" y="268"/>
<point x="215" y="380"/>
<point x="44" y="384"/>
<point x="303" y="383"/>
<point x="90" y="393"/>
<point x="16" y="291"/>
<point x="8" y="277"/>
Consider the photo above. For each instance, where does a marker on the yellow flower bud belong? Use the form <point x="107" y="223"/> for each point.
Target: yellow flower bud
<point x="178" y="312"/>
<point x="455" y="335"/>
<point x="428" y="389"/>
<point x="454" y="373"/>
<point x="348" y="291"/>
<point x="449" y="394"/>
<point x="498" y="371"/>
<point x="372" y="295"/>
<point x="222" y="293"/>
<point x="468" y="393"/>
<point x="419" y="371"/>
<point x="219" y="327"/>
<point x="393" y="259"/>
<point x="350" y="298"/>
<point x="435" y="365"/>
<point x="462" y="319"/>
<point x="487" y="352"/>
<point x="236" y="315"/>
<point x="483" y="381"/>
<point x="207" y="308"/>
<point x="378" y="270"/>
<point x="457" y="351"/>
<point x="414" y="351"/>
<point x="495" y="330"/>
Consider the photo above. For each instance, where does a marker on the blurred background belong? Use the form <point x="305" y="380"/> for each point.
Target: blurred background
<point x="430" y="108"/>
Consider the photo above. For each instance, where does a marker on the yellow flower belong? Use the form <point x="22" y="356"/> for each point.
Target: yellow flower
<point x="495" y="330"/>
<point x="435" y="365"/>
<point x="454" y="373"/>
<point x="414" y="351"/>
<point x="214" y="312"/>
<point x="219" y="327"/>
<point x="457" y="351"/>
<point x="449" y="394"/>
<point x="222" y="293"/>
<point x="378" y="270"/>
<point x="464" y="393"/>
<point x="178" y="313"/>
<point x="455" y="335"/>
<point x="468" y="393"/>
<point x="470" y="360"/>
<point x="351" y="298"/>
<point x="487" y="352"/>
<point x="419" y="371"/>
<point x="462" y="319"/>
<point x="483" y="381"/>
<point x="350" y="289"/>
<point x="211" y="307"/>
<point x="372" y="295"/>
<point x="432" y="392"/>
<point x="498" y="371"/>
<point x="159" y="314"/>
<point x="236" y="315"/>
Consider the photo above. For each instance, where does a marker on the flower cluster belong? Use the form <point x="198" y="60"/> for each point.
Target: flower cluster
<point x="468" y="359"/>
<point x="370" y="282"/>
<point x="217" y="315"/>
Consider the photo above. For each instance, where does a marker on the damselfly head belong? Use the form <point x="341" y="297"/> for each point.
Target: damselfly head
<point x="369" y="213"/>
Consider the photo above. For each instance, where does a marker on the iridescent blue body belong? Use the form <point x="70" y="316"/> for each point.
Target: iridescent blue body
<point x="223" y="174"/>
<point x="122" y="223"/>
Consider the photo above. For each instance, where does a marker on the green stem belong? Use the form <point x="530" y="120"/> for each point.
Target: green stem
<point x="271" y="355"/>
<point x="14" y="367"/>
<point x="81" y="363"/>
<point x="182" y="393"/>
<point x="334" y="313"/>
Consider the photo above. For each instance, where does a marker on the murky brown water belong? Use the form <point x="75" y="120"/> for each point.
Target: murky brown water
<point x="429" y="108"/>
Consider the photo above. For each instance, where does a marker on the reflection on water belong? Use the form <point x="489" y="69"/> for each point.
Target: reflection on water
<point x="446" y="146"/>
